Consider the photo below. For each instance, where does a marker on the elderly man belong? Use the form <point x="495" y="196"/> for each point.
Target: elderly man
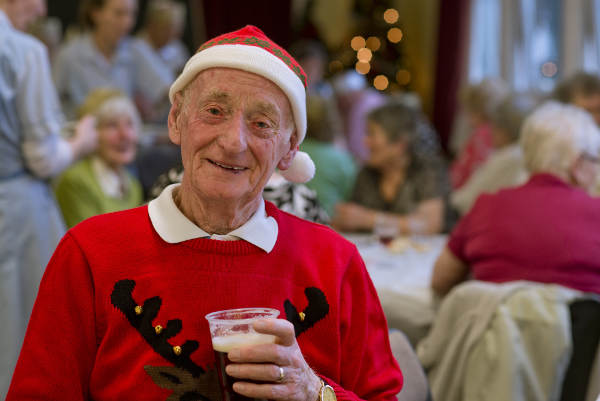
<point x="120" y="311"/>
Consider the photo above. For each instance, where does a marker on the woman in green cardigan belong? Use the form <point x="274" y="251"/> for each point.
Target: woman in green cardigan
<point x="101" y="183"/>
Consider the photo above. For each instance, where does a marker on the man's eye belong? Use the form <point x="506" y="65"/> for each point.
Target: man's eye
<point x="214" y="111"/>
<point x="262" y="124"/>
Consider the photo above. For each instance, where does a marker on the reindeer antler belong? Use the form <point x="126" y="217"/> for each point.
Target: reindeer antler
<point x="316" y="310"/>
<point x="141" y="319"/>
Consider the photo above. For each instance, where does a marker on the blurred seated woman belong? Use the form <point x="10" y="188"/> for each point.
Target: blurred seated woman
<point x="404" y="181"/>
<point x="163" y="26"/>
<point x="103" y="55"/>
<point x="335" y="167"/>
<point x="480" y="101"/>
<point x="101" y="183"/>
<point x="545" y="230"/>
<point x="504" y="167"/>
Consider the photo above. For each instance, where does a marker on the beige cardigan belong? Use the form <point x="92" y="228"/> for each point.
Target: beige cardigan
<point x="498" y="342"/>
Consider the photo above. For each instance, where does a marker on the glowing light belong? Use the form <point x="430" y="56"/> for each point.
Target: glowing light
<point x="549" y="69"/>
<point x="364" y="54"/>
<point x="394" y="35"/>
<point x="335" y="66"/>
<point x="403" y="77"/>
<point x="358" y="42"/>
<point x="373" y="43"/>
<point x="391" y="16"/>
<point x="362" y="67"/>
<point x="381" y="82"/>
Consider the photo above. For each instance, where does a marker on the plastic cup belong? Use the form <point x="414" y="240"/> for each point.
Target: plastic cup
<point x="231" y="329"/>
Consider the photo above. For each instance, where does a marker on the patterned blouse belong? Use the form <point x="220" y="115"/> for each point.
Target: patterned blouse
<point x="290" y="197"/>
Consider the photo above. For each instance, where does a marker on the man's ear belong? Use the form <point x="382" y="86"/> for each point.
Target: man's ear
<point x="174" y="132"/>
<point x="286" y="160"/>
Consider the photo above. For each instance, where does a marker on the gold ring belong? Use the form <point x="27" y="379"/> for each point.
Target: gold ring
<point x="281" y="375"/>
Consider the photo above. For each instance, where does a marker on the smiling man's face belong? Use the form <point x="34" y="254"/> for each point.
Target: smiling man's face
<point x="234" y="129"/>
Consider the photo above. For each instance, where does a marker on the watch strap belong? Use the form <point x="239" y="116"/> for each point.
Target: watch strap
<point x="326" y="387"/>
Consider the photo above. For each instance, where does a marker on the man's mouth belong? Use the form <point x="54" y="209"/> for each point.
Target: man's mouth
<point x="226" y="166"/>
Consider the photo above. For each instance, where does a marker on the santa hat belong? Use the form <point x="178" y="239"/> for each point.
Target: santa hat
<point x="249" y="49"/>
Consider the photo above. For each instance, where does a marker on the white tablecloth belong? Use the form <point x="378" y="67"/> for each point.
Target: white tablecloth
<point x="401" y="274"/>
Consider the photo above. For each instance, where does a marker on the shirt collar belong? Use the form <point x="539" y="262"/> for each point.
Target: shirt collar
<point x="547" y="178"/>
<point x="111" y="183"/>
<point x="174" y="227"/>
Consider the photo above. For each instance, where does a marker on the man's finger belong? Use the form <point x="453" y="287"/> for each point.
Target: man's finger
<point x="261" y="391"/>
<point x="280" y="328"/>
<point x="257" y="372"/>
<point x="261" y="353"/>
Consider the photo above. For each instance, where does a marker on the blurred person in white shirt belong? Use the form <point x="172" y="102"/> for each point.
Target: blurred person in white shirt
<point x="32" y="151"/>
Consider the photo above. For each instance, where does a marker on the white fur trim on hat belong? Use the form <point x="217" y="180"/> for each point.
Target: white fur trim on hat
<point x="301" y="170"/>
<point x="252" y="59"/>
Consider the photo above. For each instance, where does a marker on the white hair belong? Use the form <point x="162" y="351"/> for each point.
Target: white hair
<point x="555" y="135"/>
<point x="120" y="106"/>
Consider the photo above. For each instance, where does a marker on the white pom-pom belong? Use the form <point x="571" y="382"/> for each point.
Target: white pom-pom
<point x="301" y="170"/>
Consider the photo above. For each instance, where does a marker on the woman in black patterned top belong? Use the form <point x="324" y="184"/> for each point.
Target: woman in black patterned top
<point x="290" y="197"/>
<point x="404" y="182"/>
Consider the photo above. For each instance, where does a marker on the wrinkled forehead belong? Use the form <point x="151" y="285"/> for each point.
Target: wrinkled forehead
<point x="233" y="85"/>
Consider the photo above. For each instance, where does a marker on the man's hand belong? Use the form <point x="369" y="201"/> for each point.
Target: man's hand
<point x="262" y="362"/>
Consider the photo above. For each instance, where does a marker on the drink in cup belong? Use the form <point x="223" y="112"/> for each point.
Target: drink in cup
<point x="231" y="329"/>
<point x="385" y="229"/>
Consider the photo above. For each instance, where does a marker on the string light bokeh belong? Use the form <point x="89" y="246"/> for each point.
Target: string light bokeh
<point x="373" y="56"/>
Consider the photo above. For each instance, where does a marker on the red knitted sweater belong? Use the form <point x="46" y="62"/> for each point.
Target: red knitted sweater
<point x="85" y="340"/>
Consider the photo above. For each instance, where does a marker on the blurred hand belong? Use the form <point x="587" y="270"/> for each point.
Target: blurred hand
<point x="262" y="363"/>
<point x="85" y="139"/>
<point x="352" y="217"/>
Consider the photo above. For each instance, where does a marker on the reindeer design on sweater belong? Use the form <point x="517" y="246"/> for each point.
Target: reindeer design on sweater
<point x="187" y="380"/>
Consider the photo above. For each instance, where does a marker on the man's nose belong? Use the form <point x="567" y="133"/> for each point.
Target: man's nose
<point x="233" y="138"/>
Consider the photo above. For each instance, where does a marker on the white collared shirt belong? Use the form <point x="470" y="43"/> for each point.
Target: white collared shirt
<point x="174" y="227"/>
<point x="112" y="183"/>
<point x="30" y="115"/>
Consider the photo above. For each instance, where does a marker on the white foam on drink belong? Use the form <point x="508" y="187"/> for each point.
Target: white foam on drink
<point x="227" y="343"/>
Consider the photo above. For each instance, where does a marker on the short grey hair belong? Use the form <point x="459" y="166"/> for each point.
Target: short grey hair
<point x="555" y="135"/>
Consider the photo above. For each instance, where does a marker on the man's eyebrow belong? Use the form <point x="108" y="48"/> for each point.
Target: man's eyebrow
<point x="266" y="108"/>
<point x="216" y="96"/>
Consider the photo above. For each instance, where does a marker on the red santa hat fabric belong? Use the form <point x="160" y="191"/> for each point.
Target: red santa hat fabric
<point x="249" y="49"/>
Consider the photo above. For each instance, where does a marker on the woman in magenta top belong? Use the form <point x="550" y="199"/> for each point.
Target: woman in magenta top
<point x="545" y="230"/>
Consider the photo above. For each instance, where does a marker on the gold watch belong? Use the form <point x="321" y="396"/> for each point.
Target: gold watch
<point x="326" y="392"/>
